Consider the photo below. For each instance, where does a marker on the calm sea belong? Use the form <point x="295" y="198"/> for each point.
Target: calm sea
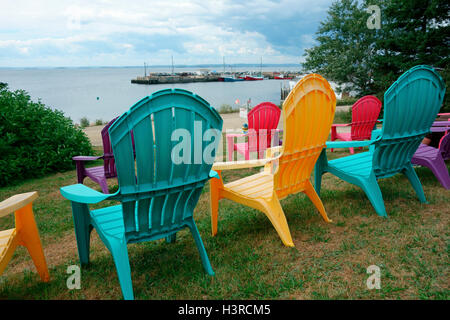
<point x="103" y="93"/>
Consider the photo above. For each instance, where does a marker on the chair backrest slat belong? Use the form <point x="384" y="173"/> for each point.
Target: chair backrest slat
<point x="410" y="107"/>
<point x="308" y="113"/>
<point x="159" y="191"/>
<point x="108" y="157"/>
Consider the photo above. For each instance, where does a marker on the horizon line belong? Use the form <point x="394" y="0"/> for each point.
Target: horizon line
<point x="158" y="66"/>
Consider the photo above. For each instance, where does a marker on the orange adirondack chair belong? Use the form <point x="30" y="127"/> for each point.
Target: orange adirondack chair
<point x="25" y="233"/>
<point x="308" y="113"/>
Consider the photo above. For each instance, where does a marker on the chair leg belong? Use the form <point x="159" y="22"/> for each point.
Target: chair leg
<point x="373" y="192"/>
<point x="415" y="182"/>
<point x="172" y="238"/>
<point x="312" y="195"/>
<point x="119" y="252"/>
<point x="319" y="170"/>
<point x="29" y="237"/>
<point x="104" y="185"/>
<point x="83" y="228"/>
<point x="214" y="195"/>
<point x="201" y="248"/>
<point x="274" y="212"/>
<point x="440" y="171"/>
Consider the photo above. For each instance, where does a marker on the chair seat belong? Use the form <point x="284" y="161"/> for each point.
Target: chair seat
<point x="110" y="221"/>
<point x="259" y="185"/>
<point x="6" y="239"/>
<point x="242" y="146"/>
<point x="345" y="136"/>
<point x="426" y="152"/>
<point x="359" y="164"/>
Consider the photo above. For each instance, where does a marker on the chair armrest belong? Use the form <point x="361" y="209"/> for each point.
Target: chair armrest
<point x="271" y="151"/>
<point x="341" y="125"/>
<point x="380" y="120"/>
<point x="349" y="144"/>
<point x="230" y="165"/>
<point x="214" y="174"/>
<point x="86" y="158"/>
<point x="375" y="134"/>
<point x="441" y="123"/>
<point x="83" y="194"/>
<point x="16" y="202"/>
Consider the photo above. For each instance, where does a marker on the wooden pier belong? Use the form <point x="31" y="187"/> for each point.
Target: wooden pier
<point x="192" y="77"/>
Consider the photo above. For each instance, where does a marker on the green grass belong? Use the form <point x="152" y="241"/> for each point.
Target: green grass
<point x="329" y="261"/>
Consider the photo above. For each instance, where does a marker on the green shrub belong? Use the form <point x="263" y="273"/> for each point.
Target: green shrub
<point x="343" y="116"/>
<point x="34" y="139"/>
<point x="346" y="101"/>
<point x="98" y="122"/>
<point x="84" y="122"/>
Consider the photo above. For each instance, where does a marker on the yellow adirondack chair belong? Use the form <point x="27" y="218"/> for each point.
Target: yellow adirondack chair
<point x="25" y="233"/>
<point x="308" y="113"/>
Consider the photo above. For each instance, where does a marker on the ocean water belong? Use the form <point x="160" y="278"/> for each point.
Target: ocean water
<point x="103" y="93"/>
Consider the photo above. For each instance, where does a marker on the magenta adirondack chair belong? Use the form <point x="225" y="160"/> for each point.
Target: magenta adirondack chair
<point x="365" y="113"/>
<point x="99" y="174"/>
<point x="433" y="159"/>
<point x="262" y="121"/>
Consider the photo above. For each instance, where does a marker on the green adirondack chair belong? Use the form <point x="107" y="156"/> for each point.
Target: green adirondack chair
<point x="410" y="107"/>
<point x="157" y="194"/>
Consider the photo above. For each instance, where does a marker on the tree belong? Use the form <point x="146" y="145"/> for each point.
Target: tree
<point x="412" y="32"/>
<point x="345" y="47"/>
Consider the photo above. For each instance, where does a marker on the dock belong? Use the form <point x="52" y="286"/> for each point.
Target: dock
<point x="186" y="77"/>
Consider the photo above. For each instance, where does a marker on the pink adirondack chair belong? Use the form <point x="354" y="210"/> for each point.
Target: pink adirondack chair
<point x="262" y="122"/>
<point x="98" y="174"/>
<point x="434" y="159"/>
<point x="365" y="113"/>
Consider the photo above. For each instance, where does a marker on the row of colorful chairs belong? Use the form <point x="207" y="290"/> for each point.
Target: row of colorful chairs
<point x="158" y="197"/>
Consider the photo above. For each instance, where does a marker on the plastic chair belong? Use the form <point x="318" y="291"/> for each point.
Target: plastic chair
<point x="410" y="107"/>
<point x="25" y="233"/>
<point x="434" y="159"/>
<point x="262" y="121"/>
<point x="308" y="113"/>
<point x="98" y="174"/>
<point x="157" y="194"/>
<point x="365" y="113"/>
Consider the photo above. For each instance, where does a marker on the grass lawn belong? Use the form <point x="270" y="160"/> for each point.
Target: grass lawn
<point x="329" y="260"/>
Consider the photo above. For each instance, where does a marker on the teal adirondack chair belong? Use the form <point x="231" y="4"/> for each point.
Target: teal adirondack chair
<point x="157" y="195"/>
<point x="410" y="107"/>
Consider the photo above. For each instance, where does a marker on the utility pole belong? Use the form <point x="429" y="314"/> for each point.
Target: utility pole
<point x="145" y="70"/>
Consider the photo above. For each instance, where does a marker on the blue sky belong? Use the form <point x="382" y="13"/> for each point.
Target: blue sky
<point x="124" y="33"/>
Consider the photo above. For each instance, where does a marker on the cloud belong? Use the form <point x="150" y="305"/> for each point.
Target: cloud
<point x="103" y="32"/>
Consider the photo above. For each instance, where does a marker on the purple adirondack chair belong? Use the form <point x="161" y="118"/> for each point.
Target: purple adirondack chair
<point x="434" y="159"/>
<point x="99" y="174"/>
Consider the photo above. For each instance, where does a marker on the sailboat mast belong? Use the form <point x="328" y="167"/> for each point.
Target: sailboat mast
<point x="172" y="64"/>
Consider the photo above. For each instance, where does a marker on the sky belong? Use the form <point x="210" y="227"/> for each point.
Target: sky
<point x="52" y="33"/>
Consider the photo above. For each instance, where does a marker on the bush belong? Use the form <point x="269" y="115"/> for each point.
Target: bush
<point x="84" y="122"/>
<point x="343" y="116"/>
<point x="34" y="139"/>
<point x="98" y="122"/>
<point x="346" y="101"/>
